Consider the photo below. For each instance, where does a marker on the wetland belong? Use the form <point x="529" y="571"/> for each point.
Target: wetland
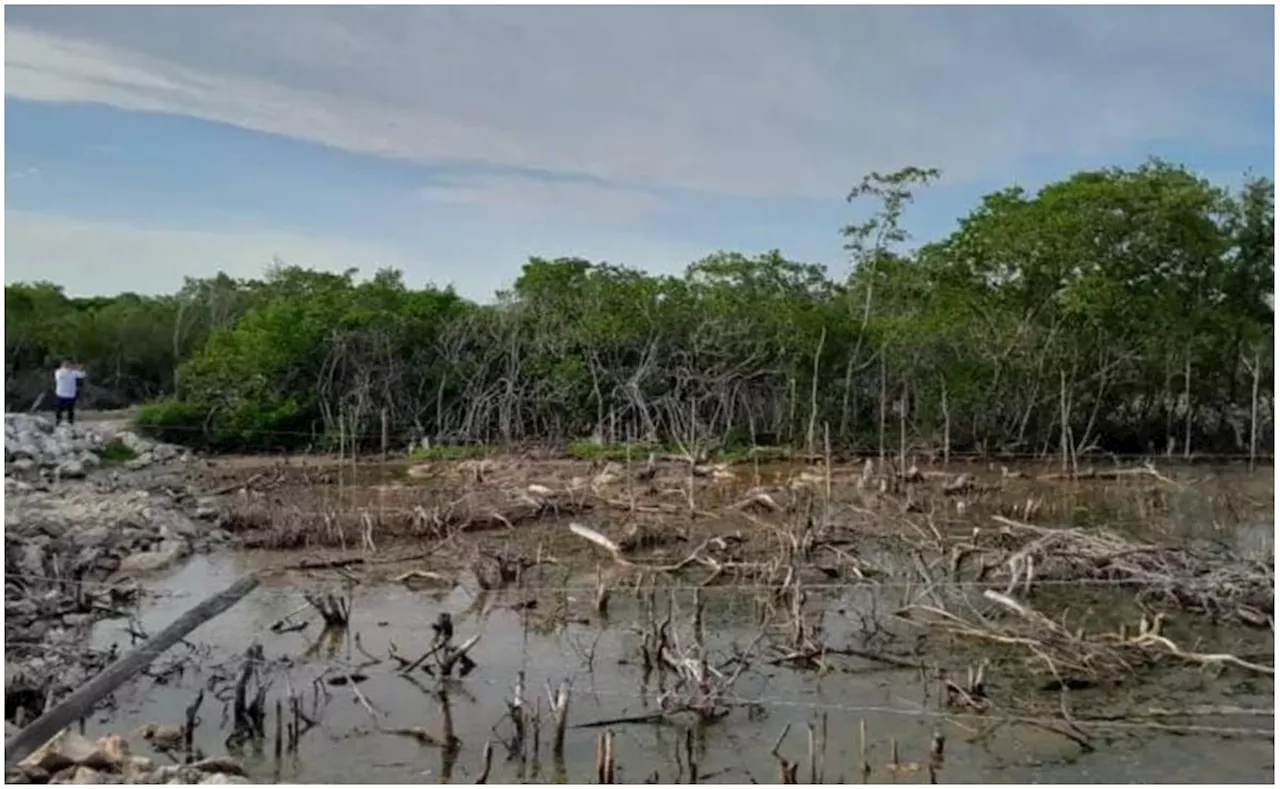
<point x="531" y="618"/>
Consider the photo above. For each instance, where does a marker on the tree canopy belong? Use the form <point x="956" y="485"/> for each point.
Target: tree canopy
<point x="1127" y="309"/>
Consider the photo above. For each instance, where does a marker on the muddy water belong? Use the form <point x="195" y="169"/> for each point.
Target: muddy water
<point x="348" y="748"/>
<point x="1223" y="506"/>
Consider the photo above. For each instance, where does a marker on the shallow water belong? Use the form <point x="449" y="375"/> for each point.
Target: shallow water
<point x="348" y="748"/>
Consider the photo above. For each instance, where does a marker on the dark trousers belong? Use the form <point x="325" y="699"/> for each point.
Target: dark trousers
<point x="65" y="405"/>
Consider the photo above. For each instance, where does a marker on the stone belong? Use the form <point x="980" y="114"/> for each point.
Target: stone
<point x="66" y="749"/>
<point x="136" y="768"/>
<point x="116" y="750"/>
<point x="32" y="561"/>
<point x="107" y="564"/>
<point x="219" y="764"/>
<point x="86" y="775"/>
<point x="91" y="537"/>
<point x="175" y="524"/>
<point x="207" y="509"/>
<point x="23" y="609"/>
<point x="70" y="469"/>
<point x="166" y="554"/>
<point x="224" y="778"/>
<point x="133" y="441"/>
<point x="141" y="461"/>
<point x="165" y="772"/>
<point x="17" y="486"/>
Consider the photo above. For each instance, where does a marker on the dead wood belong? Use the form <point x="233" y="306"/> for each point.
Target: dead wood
<point x="1217" y="584"/>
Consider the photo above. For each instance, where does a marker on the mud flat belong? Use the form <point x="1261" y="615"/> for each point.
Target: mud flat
<point x="534" y="619"/>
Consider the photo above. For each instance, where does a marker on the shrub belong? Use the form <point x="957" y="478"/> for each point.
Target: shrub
<point x="116" y="451"/>
<point x="172" y="421"/>
<point x="248" y="427"/>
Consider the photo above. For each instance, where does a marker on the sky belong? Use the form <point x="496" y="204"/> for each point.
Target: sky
<point x="146" y="144"/>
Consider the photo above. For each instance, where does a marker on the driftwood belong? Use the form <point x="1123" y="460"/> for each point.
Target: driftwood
<point x="1145" y="471"/>
<point x="1227" y="586"/>
<point x="80" y="703"/>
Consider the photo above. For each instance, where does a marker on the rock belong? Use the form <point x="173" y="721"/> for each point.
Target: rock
<point x="141" y="461"/>
<point x="166" y="554"/>
<point x="219" y="764"/>
<point x="86" y="775"/>
<point x="36" y="631"/>
<point x="32" y="561"/>
<point x="16" y="486"/>
<point x="116" y="750"/>
<point x="34" y="442"/>
<point x="168" y="773"/>
<point x="175" y="524"/>
<point x="224" y="778"/>
<point x="91" y="537"/>
<point x="136" y="767"/>
<point x="207" y="509"/>
<point x="21" y="610"/>
<point x="162" y="736"/>
<point x="66" y="749"/>
<point x="133" y="441"/>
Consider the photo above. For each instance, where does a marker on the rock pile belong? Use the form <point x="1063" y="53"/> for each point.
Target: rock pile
<point x="69" y="758"/>
<point x="74" y="548"/>
<point x="70" y="559"/>
<point x="33" y="444"/>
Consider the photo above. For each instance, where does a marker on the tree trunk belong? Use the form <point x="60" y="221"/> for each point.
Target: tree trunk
<point x="1253" y="411"/>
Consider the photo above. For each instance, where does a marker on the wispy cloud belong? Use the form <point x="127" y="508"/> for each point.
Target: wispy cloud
<point x="531" y="197"/>
<point x="742" y="100"/>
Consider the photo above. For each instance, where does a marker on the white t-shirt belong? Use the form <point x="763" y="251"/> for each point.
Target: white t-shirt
<point x="66" y="381"/>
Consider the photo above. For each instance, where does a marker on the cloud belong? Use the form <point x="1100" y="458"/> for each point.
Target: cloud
<point x="89" y="257"/>
<point x="739" y="100"/>
<point x="524" y="196"/>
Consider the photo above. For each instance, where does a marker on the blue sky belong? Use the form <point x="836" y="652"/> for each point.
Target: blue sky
<point x="145" y="144"/>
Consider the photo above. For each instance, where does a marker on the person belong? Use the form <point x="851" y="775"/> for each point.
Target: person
<point x="66" y="388"/>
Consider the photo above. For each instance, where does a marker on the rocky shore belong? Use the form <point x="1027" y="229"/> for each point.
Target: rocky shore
<point x="88" y="514"/>
<point x="72" y="759"/>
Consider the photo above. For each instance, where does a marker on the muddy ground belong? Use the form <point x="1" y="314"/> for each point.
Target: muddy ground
<point x="981" y="622"/>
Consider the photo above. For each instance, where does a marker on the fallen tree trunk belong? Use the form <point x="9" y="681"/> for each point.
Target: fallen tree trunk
<point x="80" y="703"/>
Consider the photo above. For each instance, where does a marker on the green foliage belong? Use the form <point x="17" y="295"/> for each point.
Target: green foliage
<point x="449" y="452"/>
<point x="115" y="452"/>
<point x="592" y="450"/>
<point x="172" y="421"/>
<point x="1122" y="308"/>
